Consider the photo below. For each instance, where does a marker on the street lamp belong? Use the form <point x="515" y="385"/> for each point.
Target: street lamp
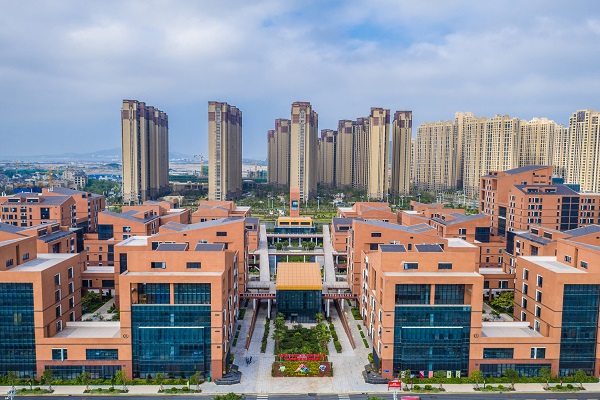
<point x="402" y="199"/>
<point x="318" y="202"/>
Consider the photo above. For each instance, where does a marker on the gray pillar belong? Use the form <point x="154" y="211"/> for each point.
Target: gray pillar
<point x="254" y="304"/>
<point x="327" y="303"/>
<point x="268" y="308"/>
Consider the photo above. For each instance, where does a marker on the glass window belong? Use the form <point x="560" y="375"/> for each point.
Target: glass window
<point x="449" y="294"/>
<point x="538" y="352"/>
<point x="192" y="293"/>
<point x="525" y="274"/>
<point x="538" y="296"/>
<point x="498" y="352"/>
<point x="193" y="265"/>
<point x="154" y="293"/>
<point x="375" y="234"/>
<point x="412" y="293"/>
<point x="158" y="264"/>
<point x="101" y="354"/>
<point x="221" y="233"/>
<point x="540" y="281"/>
<point x="70" y="273"/>
<point x="411" y="265"/>
<point x="444" y="265"/>
<point x="584" y="264"/>
<point x="59" y="354"/>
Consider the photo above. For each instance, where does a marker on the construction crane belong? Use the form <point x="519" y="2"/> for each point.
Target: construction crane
<point x="50" y="177"/>
<point x="201" y="157"/>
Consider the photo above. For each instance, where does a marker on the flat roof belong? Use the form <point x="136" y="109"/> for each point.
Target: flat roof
<point x="550" y="263"/>
<point x="456" y="242"/>
<point x="198" y="274"/>
<point x="491" y="271"/>
<point x="100" y="329"/>
<point x="100" y="270"/>
<point x="299" y="276"/>
<point x="135" y="241"/>
<point x="508" y="329"/>
<point x="172" y="247"/>
<point x="438" y="274"/>
<point x="43" y="262"/>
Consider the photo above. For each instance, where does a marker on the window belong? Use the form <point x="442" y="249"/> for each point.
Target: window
<point x="57" y="296"/>
<point x="57" y="280"/>
<point x="462" y="231"/>
<point x="568" y="259"/>
<point x="524" y="303"/>
<point x="523" y="316"/>
<point x="58" y="311"/>
<point x="25" y="256"/>
<point x="536" y="325"/>
<point x="525" y="274"/>
<point x="101" y="354"/>
<point x="86" y="283"/>
<point x="538" y="352"/>
<point x="584" y="264"/>
<point x="538" y="311"/>
<point x="70" y="273"/>
<point x="108" y="283"/>
<point x="193" y="265"/>
<point x="375" y="234"/>
<point x="126" y="229"/>
<point x="155" y="245"/>
<point x="221" y="233"/>
<point x="503" y="284"/>
<point x="71" y="302"/>
<point x="540" y="281"/>
<point x="444" y="265"/>
<point x="411" y="265"/>
<point x="158" y="264"/>
<point x="498" y="353"/>
<point x="525" y="288"/>
<point x="486" y="284"/>
<point x="71" y="287"/>
<point x="72" y="316"/>
<point x="59" y="354"/>
<point x="373" y="246"/>
<point x="9" y="262"/>
<point x="538" y="296"/>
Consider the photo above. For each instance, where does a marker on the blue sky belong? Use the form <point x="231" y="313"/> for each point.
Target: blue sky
<point x="65" y="66"/>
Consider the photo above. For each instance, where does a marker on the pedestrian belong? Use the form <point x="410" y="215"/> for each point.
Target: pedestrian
<point x="250" y="359"/>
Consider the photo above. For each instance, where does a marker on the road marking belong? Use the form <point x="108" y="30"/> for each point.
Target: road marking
<point x="262" y="397"/>
<point x="343" y="397"/>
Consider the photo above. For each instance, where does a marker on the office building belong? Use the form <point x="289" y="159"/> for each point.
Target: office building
<point x="401" y="153"/>
<point x="145" y="144"/>
<point x="303" y="149"/>
<point x="584" y="151"/>
<point x="224" y="151"/>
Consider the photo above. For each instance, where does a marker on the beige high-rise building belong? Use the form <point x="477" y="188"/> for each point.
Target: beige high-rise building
<point x="379" y="146"/>
<point x="282" y="141"/>
<point x="360" y="153"/>
<point x="145" y="146"/>
<point x="560" y="155"/>
<point x="401" y="152"/>
<point x="303" y="149"/>
<point x="536" y="141"/>
<point x="583" y="164"/>
<point x="435" y="152"/>
<point x="327" y="160"/>
<point x="271" y="157"/>
<point x="489" y="145"/>
<point x="343" y="154"/>
<point x="224" y="151"/>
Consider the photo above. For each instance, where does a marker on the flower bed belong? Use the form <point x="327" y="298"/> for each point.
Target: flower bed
<point x="302" y="369"/>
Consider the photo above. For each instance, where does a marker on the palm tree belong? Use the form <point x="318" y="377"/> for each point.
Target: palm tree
<point x="278" y="336"/>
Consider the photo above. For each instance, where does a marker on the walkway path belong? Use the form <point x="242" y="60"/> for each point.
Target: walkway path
<point x="263" y="250"/>
<point x="329" y="268"/>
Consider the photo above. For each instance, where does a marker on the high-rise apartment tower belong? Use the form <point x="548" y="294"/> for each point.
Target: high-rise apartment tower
<point x="224" y="151"/>
<point x="401" y="152"/>
<point x="303" y="149"/>
<point x="145" y="146"/>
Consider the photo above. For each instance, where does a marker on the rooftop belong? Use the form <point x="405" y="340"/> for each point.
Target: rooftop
<point x="534" y="238"/>
<point x="210" y="247"/>
<point x="491" y="271"/>
<point x="508" y="329"/>
<point x="135" y="241"/>
<point x="523" y="169"/>
<point x="172" y="247"/>
<point x="459" y="218"/>
<point x="456" y="242"/>
<point x="550" y="263"/>
<point x="82" y="330"/>
<point x="299" y="276"/>
<point x="392" y="248"/>
<point x="542" y="190"/>
<point x="99" y="270"/>
<point x="175" y="226"/>
<point x="43" y="262"/>
<point x="429" y="248"/>
<point x="130" y="216"/>
<point x="584" y="230"/>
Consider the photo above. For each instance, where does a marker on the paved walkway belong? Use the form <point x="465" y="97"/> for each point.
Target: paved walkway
<point x="102" y="311"/>
<point x="328" y="267"/>
<point x="263" y="250"/>
<point x="488" y="313"/>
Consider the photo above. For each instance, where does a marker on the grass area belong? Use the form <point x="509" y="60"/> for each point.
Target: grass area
<point x="110" y="390"/>
<point x="299" y="340"/>
<point x="499" y="388"/>
<point x="242" y="313"/>
<point x="35" y="391"/>
<point x="565" y="388"/>
<point x="183" y="389"/>
<point x="356" y="314"/>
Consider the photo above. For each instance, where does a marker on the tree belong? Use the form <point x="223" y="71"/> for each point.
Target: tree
<point x="121" y="378"/>
<point x="89" y="301"/>
<point x="48" y="378"/>
<point x="84" y="378"/>
<point x="160" y="379"/>
<point x="12" y="376"/>
<point x="505" y="300"/>
<point x="319" y="317"/>
<point x="546" y="375"/>
<point x="580" y="376"/>
<point x="280" y="322"/>
<point x="323" y="336"/>
<point x="512" y="377"/>
<point x="278" y="336"/>
<point x="196" y="379"/>
<point x="476" y="375"/>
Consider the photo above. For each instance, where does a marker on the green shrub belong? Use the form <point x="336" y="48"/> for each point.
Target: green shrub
<point x="428" y="387"/>
<point x="569" y="386"/>
<point x="366" y="343"/>
<point x="362" y="334"/>
<point x="417" y="387"/>
<point x="338" y="346"/>
<point x="501" y="387"/>
<point x="370" y="358"/>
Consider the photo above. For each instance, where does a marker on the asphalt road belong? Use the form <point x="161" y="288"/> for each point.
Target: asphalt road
<point x="311" y="396"/>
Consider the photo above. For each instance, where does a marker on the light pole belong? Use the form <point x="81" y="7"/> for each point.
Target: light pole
<point x="419" y="197"/>
<point x="402" y="199"/>
<point x="318" y="203"/>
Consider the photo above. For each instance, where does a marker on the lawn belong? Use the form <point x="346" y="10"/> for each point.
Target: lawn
<point x="299" y="340"/>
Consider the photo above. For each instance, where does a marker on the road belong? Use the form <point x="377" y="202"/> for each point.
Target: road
<point x="387" y="396"/>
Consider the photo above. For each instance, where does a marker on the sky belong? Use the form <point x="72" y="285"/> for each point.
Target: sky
<point x="66" y="65"/>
